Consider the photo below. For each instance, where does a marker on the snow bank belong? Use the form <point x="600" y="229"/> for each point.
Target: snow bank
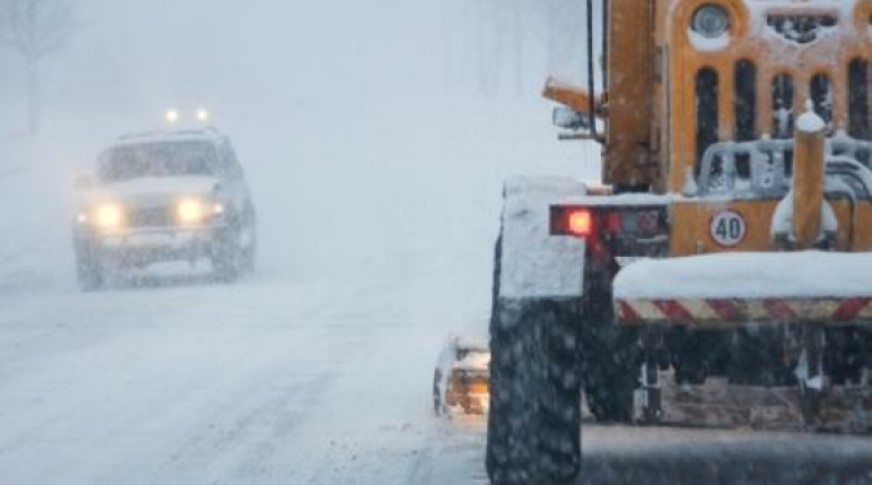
<point x="748" y="275"/>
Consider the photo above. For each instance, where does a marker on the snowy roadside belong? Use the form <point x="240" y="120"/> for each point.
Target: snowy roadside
<point x="258" y="383"/>
<point x="316" y="370"/>
<point x="35" y="247"/>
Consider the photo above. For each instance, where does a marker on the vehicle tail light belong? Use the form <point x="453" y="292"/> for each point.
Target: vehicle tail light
<point x="614" y="222"/>
<point x="572" y="221"/>
<point x="579" y="222"/>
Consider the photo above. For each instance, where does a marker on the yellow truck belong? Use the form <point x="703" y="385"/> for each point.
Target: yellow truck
<point x="721" y="274"/>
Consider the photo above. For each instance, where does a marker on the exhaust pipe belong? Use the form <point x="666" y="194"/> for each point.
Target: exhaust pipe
<point x="808" y="179"/>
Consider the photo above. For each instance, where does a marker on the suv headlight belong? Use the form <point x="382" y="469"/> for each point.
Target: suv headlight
<point x="191" y="211"/>
<point x="108" y="215"/>
<point x="710" y="21"/>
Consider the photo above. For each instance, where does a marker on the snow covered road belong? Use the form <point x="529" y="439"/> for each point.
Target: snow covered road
<point x="318" y="369"/>
<point x="262" y="382"/>
<point x="303" y="382"/>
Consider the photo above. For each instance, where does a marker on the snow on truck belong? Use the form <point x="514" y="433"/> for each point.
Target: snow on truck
<point x="723" y="274"/>
<point x="177" y="195"/>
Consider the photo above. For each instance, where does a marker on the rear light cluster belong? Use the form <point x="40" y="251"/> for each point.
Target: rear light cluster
<point x="579" y="222"/>
<point x="572" y="221"/>
<point x="585" y="222"/>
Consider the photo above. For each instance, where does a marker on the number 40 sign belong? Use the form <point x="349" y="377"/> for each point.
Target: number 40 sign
<point x="728" y="228"/>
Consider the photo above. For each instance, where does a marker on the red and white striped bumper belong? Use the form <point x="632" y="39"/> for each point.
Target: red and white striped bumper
<point x="736" y="311"/>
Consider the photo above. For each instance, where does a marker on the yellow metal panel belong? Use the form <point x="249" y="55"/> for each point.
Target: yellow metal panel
<point x="691" y="226"/>
<point x="863" y="228"/>
<point x="630" y="92"/>
<point x="772" y="56"/>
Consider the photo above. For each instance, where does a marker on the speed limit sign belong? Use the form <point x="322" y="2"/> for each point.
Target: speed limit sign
<point x="728" y="228"/>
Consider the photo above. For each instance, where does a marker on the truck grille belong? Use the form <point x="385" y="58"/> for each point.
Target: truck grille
<point x="152" y="217"/>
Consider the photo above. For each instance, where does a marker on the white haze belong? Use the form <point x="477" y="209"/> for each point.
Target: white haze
<point x="375" y="157"/>
<point x="368" y="142"/>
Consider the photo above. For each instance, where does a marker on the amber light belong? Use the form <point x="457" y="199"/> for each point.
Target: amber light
<point x="580" y="222"/>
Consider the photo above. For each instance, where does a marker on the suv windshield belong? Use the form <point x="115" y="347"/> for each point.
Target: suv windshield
<point x="168" y="159"/>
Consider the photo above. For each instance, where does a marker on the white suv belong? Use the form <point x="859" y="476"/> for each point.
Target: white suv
<point x="165" y="196"/>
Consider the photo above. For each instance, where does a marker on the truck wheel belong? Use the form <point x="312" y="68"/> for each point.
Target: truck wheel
<point x="695" y="354"/>
<point x="844" y="357"/>
<point x="534" y="420"/>
<point x="611" y="355"/>
<point x="757" y="358"/>
<point x="89" y="270"/>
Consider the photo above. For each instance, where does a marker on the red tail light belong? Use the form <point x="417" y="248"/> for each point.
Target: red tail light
<point x="579" y="222"/>
<point x="618" y="226"/>
<point x="572" y="221"/>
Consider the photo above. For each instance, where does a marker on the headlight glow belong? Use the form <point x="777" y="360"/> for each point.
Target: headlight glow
<point x="109" y="216"/>
<point x="202" y="115"/>
<point x="172" y="116"/>
<point x="710" y="21"/>
<point x="190" y="211"/>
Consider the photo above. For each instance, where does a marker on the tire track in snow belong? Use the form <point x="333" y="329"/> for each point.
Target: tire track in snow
<point x="229" y="450"/>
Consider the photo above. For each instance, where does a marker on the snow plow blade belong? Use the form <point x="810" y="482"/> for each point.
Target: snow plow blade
<point x="767" y="340"/>
<point x="740" y="288"/>
<point x="713" y="312"/>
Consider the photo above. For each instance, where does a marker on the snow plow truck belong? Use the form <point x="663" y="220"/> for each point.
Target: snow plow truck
<point x="721" y="272"/>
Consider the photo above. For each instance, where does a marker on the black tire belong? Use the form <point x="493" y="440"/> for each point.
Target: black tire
<point x="249" y="257"/>
<point x="534" y="420"/>
<point x="89" y="270"/>
<point x="227" y="259"/>
<point x="756" y="358"/>
<point x="845" y="355"/>
<point x="227" y="265"/>
<point x="697" y="354"/>
<point x="866" y="338"/>
<point x="249" y="254"/>
<point x="611" y="356"/>
<point x="438" y="405"/>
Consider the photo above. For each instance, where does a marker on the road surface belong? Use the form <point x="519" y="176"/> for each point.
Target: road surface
<point x="309" y="382"/>
<point x="264" y="382"/>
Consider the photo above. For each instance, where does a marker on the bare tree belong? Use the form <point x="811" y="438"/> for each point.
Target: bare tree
<point x="35" y="29"/>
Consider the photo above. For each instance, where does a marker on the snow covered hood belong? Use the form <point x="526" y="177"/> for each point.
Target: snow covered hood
<point x="812" y="274"/>
<point x="158" y="188"/>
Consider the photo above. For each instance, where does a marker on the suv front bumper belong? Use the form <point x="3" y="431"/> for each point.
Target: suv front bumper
<point x="140" y="247"/>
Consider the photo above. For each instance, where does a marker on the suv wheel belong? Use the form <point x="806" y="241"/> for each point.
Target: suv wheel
<point x="249" y="252"/>
<point x="227" y="258"/>
<point x="89" y="268"/>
